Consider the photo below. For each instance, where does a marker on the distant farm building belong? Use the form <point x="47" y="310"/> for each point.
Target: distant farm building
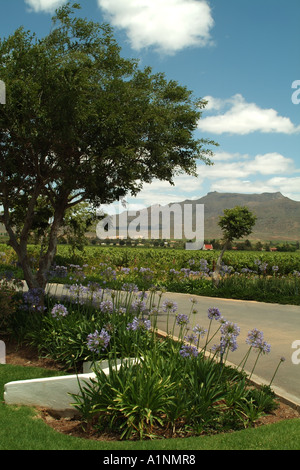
<point x="208" y="247"/>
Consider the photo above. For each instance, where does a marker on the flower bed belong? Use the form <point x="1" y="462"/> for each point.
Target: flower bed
<point x="178" y="388"/>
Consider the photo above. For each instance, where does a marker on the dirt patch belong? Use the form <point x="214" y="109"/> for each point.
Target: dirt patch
<point x="20" y="355"/>
<point x="28" y="357"/>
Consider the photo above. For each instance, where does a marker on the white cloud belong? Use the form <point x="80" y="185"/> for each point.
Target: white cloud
<point x="243" y="118"/>
<point x="168" y="25"/>
<point x="47" y="6"/>
<point x="289" y="187"/>
<point x="270" y="164"/>
<point x="225" y="156"/>
<point x="271" y="172"/>
<point x="232" y="172"/>
<point x="242" y="166"/>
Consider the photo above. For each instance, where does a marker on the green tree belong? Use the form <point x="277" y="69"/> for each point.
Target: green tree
<point x="235" y="224"/>
<point x="81" y="123"/>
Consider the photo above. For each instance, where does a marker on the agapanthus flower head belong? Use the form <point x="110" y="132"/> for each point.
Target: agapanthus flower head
<point x="263" y="347"/>
<point x="94" y="287"/>
<point x="214" y="313"/>
<point x="169" y="306"/>
<point x="191" y="338"/>
<point x="58" y="271"/>
<point x="106" y="306"/>
<point x="188" y="351"/>
<point x="182" y="319"/>
<point x="129" y="287"/>
<point x="174" y="272"/>
<point x="121" y="311"/>
<point x="145" y="270"/>
<point x="109" y="274"/>
<point x="79" y="291"/>
<point x="199" y="330"/>
<point x="98" y="341"/>
<point x="59" y="311"/>
<point x="32" y="300"/>
<point x="142" y="295"/>
<point x="139" y="324"/>
<point x="230" y="329"/>
<point x="125" y="270"/>
<point x="255" y="337"/>
<point x="263" y="266"/>
<point x="139" y="306"/>
<point x="228" y="342"/>
<point x="256" y="340"/>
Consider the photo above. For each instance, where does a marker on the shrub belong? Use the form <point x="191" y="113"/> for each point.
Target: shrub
<point x="8" y="301"/>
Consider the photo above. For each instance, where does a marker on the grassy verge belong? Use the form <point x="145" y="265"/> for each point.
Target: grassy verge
<point x="21" y="429"/>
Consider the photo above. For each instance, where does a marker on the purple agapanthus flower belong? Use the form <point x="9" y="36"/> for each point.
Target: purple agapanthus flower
<point x="125" y="270"/>
<point x="228" y="342"/>
<point x="264" y="347"/>
<point x="139" y="324"/>
<point x="106" y="306"/>
<point x="182" y="319"/>
<point x="188" y="351"/>
<point x="230" y="329"/>
<point x="214" y="313"/>
<point x="256" y="340"/>
<point x="138" y="306"/>
<point x="191" y="338"/>
<point x="32" y="300"/>
<point x="169" y="306"/>
<point x="255" y="337"/>
<point x="199" y="330"/>
<point x="98" y="341"/>
<point x="129" y="287"/>
<point x="59" y="310"/>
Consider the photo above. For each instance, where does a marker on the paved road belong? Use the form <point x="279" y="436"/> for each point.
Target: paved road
<point x="279" y="323"/>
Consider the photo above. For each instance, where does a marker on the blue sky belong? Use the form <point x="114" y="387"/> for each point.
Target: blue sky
<point x="242" y="56"/>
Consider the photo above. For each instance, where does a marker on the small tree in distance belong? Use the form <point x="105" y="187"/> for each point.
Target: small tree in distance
<point x="235" y="224"/>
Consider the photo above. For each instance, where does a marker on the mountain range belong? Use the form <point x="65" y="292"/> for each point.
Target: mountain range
<point x="278" y="217"/>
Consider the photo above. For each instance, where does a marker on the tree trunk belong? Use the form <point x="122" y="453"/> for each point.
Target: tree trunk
<point x="38" y="280"/>
<point x="46" y="260"/>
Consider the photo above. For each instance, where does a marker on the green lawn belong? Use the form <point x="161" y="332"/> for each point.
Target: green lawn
<point x="21" y="429"/>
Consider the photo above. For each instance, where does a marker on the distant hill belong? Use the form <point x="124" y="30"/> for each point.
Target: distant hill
<point x="278" y="217"/>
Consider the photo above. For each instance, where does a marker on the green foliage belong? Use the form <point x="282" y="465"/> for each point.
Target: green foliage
<point x="87" y="125"/>
<point x="166" y="392"/>
<point x="237" y="223"/>
<point x="9" y="303"/>
<point x="28" y="432"/>
<point x="155" y="385"/>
